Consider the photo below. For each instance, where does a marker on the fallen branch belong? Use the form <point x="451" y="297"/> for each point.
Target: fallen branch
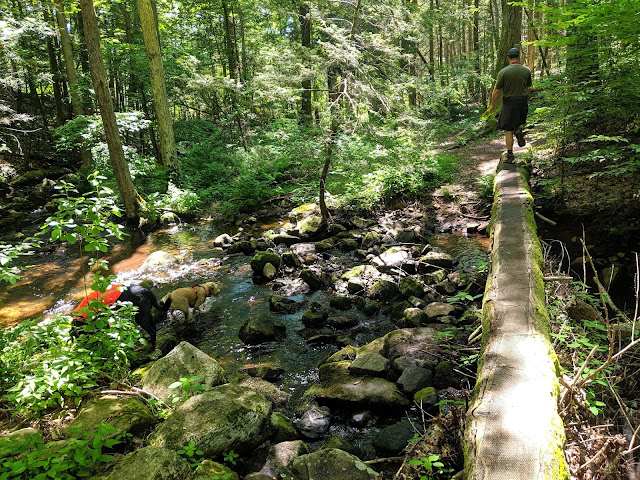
<point x="475" y="335"/>
<point x="543" y="218"/>
<point x="558" y="278"/>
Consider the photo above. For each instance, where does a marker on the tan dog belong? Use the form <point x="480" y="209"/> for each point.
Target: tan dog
<point x="192" y="297"/>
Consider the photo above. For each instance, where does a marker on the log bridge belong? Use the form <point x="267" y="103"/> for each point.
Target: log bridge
<point x="513" y="428"/>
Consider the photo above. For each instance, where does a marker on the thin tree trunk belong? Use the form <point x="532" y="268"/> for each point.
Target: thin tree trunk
<point x="128" y="192"/>
<point x="304" y="16"/>
<point x="158" y="87"/>
<point x="55" y="74"/>
<point x="432" y="52"/>
<point x="70" y="69"/>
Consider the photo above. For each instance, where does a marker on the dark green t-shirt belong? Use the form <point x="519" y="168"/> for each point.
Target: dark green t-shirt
<point x="513" y="80"/>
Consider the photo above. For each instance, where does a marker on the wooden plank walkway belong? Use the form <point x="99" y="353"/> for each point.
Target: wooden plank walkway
<point x="513" y="428"/>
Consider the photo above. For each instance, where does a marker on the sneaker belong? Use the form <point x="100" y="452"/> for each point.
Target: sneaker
<point x="508" y="157"/>
<point x="520" y="136"/>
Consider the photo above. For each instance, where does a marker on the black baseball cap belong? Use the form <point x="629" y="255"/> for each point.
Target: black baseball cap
<point x="513" y="53"/>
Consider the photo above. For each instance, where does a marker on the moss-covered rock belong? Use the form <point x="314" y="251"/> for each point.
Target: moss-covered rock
<point x="224" y="418"/>
<point x="313" y="226"/>
<point x="260" y="328"/>
<point x="151" y="463"/>
<point x="340" y="303"/>
<point x="209" y="469"/>
<point x="125" y="414"/>
<point x="410" y="287"/>
<point x="329" y="464"/>
<point x="384" y="290"/>
<point x="311" y="278"/>
<point x="315" y="318"/>
<point x="280" y="304"/>
<point x="260" y="259"/>
<point x="184" y="360"/>
<point x="282" y="428"/>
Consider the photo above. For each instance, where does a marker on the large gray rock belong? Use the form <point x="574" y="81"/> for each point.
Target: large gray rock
<point x="159" y="260"/>
<point x="260" y="328"/>
<point x="393" y="439"/>
<point x="285" y="238"/>
<point x="125" y="414"/>
<point x="329" y="464"/>
<point x="438" y="309"/>
<point x="372" y="364"/>
<point x="418" y="343"/>
<point x="315" y="422"/>
<point x="224" y="418"/>
<point x="336" y="385"/>
<point x="392" y="258"/>
<point x="184" y="360"/>
<point x="281" y="454"/>
<point x="438" y="259"/>
<point x="278" y="397"/>
<point x="415" y="378"/>
<point x="151" y="463"/>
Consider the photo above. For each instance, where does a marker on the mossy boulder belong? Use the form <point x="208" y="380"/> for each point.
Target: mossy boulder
<point x="260" y="259"/>
<point x="209" y="469"/>
<point x="445" y="375"/>
<point x="428" y="396"/>
<point x="384" y="290"/>
<point x="260" y="328"/>
<point x="280" y="304"/>
<point x="125" y="414"/>
<point x="346" y="353"/>
<point x="393" y="439"/>
<point x="410" y="287"/>
<point x="342" y="322"/>
<point x="313" y="226"/>
<point x="282" y="428"/>
<point x="340" y="303"/>
<point x="151" y="463"/>
<point x="224" y="418"/>
<point x="336" y="385"/>
<point x="329" y="464"/>
<point x="372" y="364"/>
<point x="272" y="393"/>
<point x="315" y="318"/>
<point x="184" y="360"/>
<point x="311" y="278"/>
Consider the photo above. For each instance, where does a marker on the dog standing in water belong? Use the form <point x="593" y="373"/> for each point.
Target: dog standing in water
<point x="140" y="297"/>
<point x="189" y="299"/>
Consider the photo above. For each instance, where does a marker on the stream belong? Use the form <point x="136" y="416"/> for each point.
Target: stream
<point x="57" y="283"/>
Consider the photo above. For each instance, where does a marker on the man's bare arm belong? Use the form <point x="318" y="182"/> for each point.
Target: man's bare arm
<point x="494" y="99"/>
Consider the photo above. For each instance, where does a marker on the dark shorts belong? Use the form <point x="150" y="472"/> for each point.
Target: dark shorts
<point x="513" y="114"/>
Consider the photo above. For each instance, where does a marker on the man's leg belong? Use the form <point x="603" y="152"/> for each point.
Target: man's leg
<point x="508" y="138"/>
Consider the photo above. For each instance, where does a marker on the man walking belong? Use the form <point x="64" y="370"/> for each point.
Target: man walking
<point x="514" y="81"/>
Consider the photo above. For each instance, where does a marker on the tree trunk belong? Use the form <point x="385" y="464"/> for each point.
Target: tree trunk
<point x="55" y="74"/>
<point x="128" y="192"/>
<point x="511" y="35"/>
<point x="230" y="37"/>
<point x="432" y="53"/>
<point x="158" y="87"/>
<point x="70" y="69"/>
<point x="305" y="40"/>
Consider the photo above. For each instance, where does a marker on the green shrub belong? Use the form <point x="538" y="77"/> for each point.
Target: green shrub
<point x="30" y="458"/>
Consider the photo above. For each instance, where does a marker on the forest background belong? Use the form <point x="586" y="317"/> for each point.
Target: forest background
<point x="221" y="105"/>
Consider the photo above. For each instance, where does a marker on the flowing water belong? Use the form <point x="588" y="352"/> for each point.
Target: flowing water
<point x="58" y="282"/>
